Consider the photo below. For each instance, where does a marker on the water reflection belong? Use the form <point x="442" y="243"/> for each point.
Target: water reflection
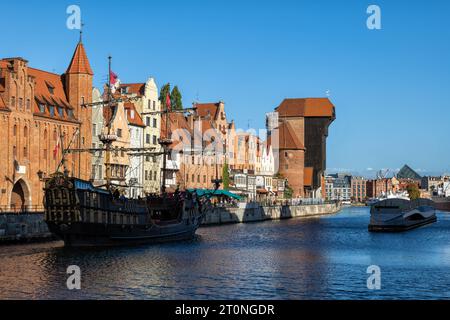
<point x="315" y="258"/>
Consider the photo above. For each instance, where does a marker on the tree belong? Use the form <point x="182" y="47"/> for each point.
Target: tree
<point x="288" y="192"/>
<point x="175" y="98"/>
<point x="225" y="177"/>
<point x="413" y="191"/>
<point x="163" y="95"/>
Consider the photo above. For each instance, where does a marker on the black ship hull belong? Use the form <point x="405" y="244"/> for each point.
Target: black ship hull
<point x="99" y="235"/>
<point x="84" y="216"/>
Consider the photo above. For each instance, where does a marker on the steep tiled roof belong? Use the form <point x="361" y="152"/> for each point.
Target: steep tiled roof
<point x="308" y="176"/>
<point x="203" y="109"/>
<point x="134" y="118"/>
<point x="46" y="81"/>
<point x="177" y="121"/>
<point x="80" y="62"/>
<point x="308" y="107"/>
<point x="287" y="137"/>
<point x="134" y="88"/>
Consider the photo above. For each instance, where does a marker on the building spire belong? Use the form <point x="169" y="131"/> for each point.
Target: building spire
<point x="80" y="62"/>
<point x="81" y="32"/>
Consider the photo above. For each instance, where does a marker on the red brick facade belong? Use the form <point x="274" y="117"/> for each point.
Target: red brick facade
<point x="36" y="109"/>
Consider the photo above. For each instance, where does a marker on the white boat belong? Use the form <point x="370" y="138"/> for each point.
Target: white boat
<point x="398" y="195"/>
<point x="401" y="214"/>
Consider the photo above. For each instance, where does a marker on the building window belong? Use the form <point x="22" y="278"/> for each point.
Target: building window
<point x="94" y="168"/>
<point x="155" y="140"/>
<point x="42" y="108"/>
<point x="146" y="174"/>
<point x="15" y="130"/>
<point x="14" y="151"/>
<point x="147" y="121"/>
<point x="60" y="112"/>
<point x="25" y="132"/>
<point x="94" y="129"/>
<point x="149" y="104"/>
<point x="20" y="103"/>
<point x="147" y="138"/>
<point x="100" y="172"/>
<point x="154" y="175"/>
<point x="13" y="102"/>
<point x="119" y="133"/>
<point x="155" y="125"/>
<point x="154" y="105"/>
<point x="28" y="104"/>
<point x="52" y="110"/>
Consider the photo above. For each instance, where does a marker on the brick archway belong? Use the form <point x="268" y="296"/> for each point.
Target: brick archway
<point x="20" y="196"/>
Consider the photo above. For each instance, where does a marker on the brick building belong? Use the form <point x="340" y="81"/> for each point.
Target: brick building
<point x="359" y="189"/>
<point x="301" y="135"/>
<point x="37" y="108"/>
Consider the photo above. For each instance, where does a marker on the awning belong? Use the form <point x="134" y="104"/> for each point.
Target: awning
<point x="215" y="193"/>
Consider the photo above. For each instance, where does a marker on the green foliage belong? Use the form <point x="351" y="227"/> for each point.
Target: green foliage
<point x="413" y="191"/>
<point x="225" y="177"/>
<point x="176" y="99"/>
<point x="163" y="95"/>
<point x="288" y="192"/>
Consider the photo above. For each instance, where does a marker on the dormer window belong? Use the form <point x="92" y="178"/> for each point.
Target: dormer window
<point x="60" y="112"/>
<point x="70" y="113"/>
<point x="51" y="109"/>
<point x="41" y="107"/>
<point x="132" y="114"/>
<point x="124" y="90"/>
<point x="50" y="88"/>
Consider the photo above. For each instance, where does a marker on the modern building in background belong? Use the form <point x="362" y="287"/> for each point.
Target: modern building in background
<point x="359" y="189"/>
<point x="338" y="187"/>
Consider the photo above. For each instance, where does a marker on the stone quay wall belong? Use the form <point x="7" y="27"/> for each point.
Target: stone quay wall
<point x="255" y="213"/>
<point x="23" y="227"/>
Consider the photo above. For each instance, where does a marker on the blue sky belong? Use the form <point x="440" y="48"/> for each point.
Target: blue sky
<point x="390" y="86"/>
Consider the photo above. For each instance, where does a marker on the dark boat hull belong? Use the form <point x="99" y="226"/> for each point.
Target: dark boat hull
<point x="95" y="235"/>
<point x="401" y="228"/>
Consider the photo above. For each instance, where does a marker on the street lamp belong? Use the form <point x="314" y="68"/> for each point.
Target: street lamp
<point x="40" y="175"/>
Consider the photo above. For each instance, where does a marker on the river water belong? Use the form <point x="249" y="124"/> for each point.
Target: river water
<point x="308" y="258"/>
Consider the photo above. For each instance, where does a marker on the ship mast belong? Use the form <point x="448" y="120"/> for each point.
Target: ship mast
<point x="107" y="139"/>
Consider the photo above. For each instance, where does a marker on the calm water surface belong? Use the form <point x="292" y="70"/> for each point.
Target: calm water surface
<point x="314" y="258"/>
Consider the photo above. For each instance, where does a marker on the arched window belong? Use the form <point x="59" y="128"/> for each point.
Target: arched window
<point x="15" y="130"/>
<point x="25" y="152"/>
<point x="25" y="132"/>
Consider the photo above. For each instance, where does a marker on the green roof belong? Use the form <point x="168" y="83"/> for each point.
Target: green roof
<point x="215" y="193"/>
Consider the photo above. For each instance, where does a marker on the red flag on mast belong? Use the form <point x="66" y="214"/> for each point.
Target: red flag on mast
<point x="168" y="103"/>
<point x="112" y="78"/>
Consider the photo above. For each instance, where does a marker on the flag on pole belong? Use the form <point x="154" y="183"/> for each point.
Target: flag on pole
<point x="57" y="147"/>
<point x="168" y="103"/>
<point x="112" y="78"/>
